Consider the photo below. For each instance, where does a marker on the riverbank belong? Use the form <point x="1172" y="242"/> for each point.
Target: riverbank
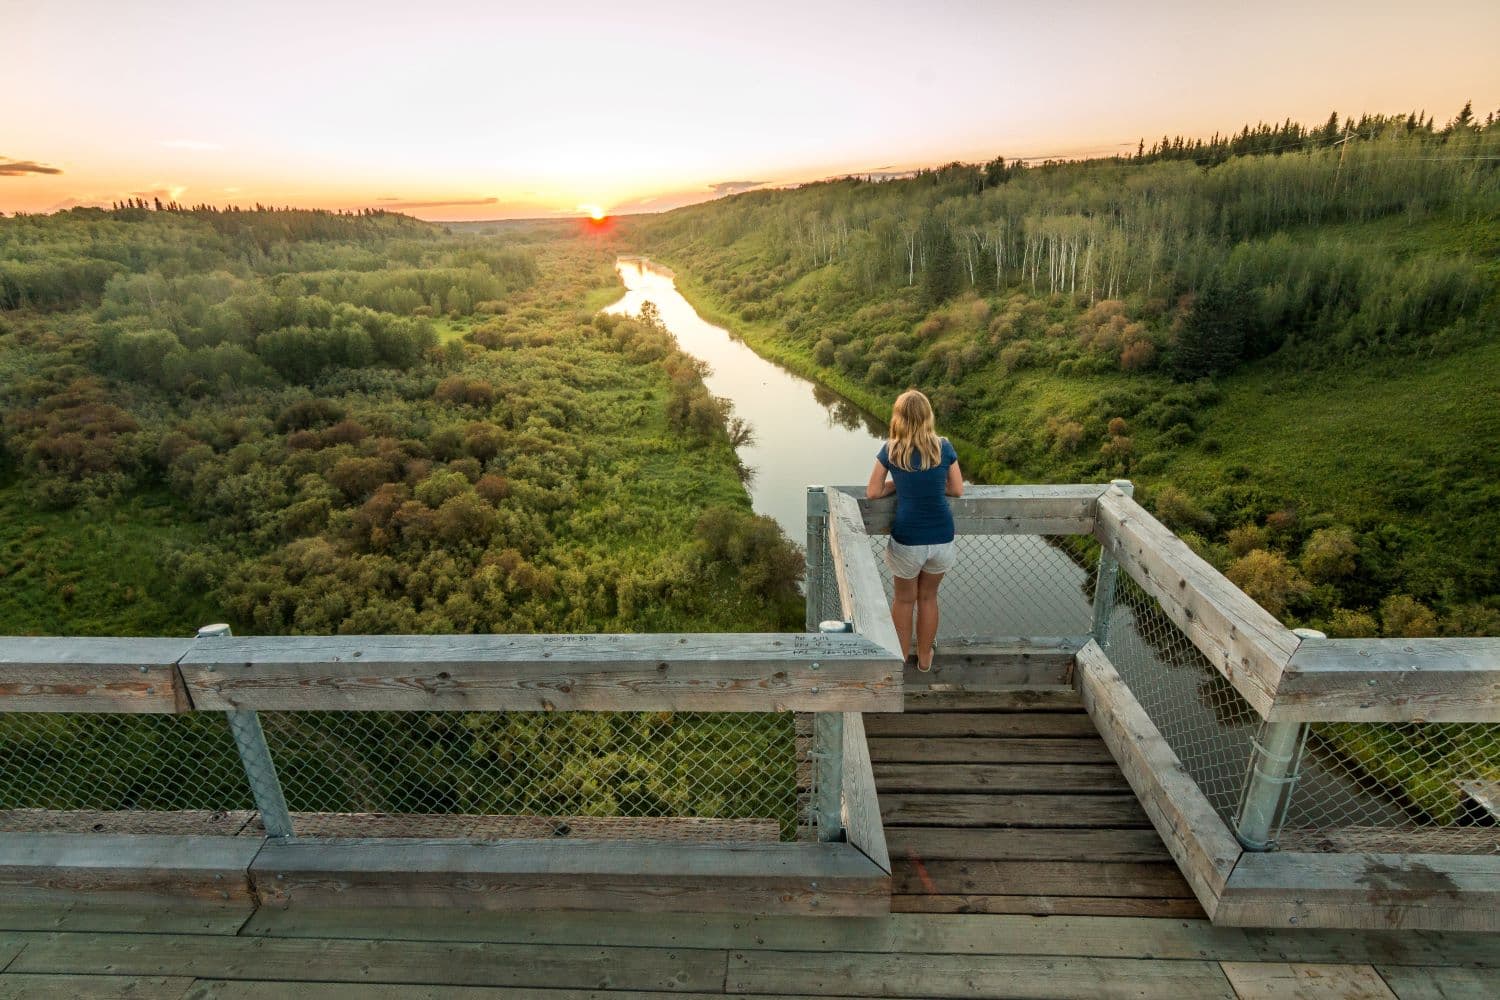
<point x="762" y="338"/>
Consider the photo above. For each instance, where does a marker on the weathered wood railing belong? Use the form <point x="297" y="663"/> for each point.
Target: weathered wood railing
<point x="823" y="674"/>
<point x="1289" y="679"/>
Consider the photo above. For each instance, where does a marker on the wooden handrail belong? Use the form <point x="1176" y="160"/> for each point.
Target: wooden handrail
<point x="860" y="590"/>
<point x="1391" y="680"/>
<point x="725" y="672"/>
<point x="998" y="510"/>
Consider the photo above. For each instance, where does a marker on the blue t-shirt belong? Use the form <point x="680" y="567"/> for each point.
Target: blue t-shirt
<point x="923" y="516"/>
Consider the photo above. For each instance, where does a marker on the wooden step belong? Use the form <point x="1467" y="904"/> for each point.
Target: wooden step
<point x="946" y="698"/>
<point x="919" y="750"/>
<point x="1009" y="844"/>
<point x="1155" y="879"/>
<point x="962" y="725"/>
<point x="1003" y="778"/>
<point x="900" y="809"/>
<point x="1046" y="906"/>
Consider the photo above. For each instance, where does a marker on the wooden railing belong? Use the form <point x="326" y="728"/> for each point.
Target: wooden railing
<point x="1288" y="679"/>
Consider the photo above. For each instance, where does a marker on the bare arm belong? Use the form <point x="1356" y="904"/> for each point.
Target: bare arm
<point x="879" y="485"/>
<point x="955" y="485"/>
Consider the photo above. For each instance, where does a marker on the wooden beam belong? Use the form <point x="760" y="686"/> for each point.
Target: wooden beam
<point x="49" y="868"/>
<point x="1391" y="680"/>
<point x="1443" y="892"/>
<point x="807" y="878"/>
<point x="1001" y="660"/>
<point x="1241" y="639"/>
<point x="1196" y="837"/>
<point x="860" y="587"/>
<point x="128" y="676"/>
<point x="998" y="510"/>
<point x="862" y="825"/>
<point x="725" y="672"/>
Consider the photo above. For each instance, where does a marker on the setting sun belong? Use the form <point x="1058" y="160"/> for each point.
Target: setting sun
<point x="592" y="211"/>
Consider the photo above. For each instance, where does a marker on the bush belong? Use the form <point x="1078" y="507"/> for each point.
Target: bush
<point x="1403" y="616"/>
<point x="1346" y="624"/>
<point x="1269" y="578"/>
<point x="1178" y="511"/>
<point x="1329" y="554"/>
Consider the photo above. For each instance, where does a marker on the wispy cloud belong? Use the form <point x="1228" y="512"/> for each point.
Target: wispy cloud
<point x="161" y="190"/>
<point x="735" y="187"/>
<point x="19" y="168"/>
<point x="402" y="203"/>
<point x="199" y="145"/>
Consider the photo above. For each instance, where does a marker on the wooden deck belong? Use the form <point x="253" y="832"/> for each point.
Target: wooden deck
<point x="1007" y="801"/>
<point x="354" y="954"/>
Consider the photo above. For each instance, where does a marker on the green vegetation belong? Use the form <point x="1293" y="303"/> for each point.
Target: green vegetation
<point x="305" y="422"/>
<point x="1286" y="337"/>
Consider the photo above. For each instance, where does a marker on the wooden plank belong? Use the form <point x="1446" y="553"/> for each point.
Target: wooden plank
<point x="1485" y="794"/>
<point x="973" y="975"/>
<point x="1426" y="983"/>
<point x="222" y="989"/>
<point x="1377" y="891"/>
<point x="998" y="510"/>
<point x="1012" y="810"/>
<point x="862" y="825"/>
<point x="860" y="588"/>
<point x="1050" y="907"/>
<point x="916" y="750"/>
<point x="925" y="843"/>
<point x="1240" y="638"/>
<point x="1388" y="840"/>
<point x="98" y="914"/>
<point x="177" y="822"/>
<point x="987" y="698"/>
<point x="1007" y="778"/>
<point x="1189" y="826"/>
<point x="1391" y="680"/>
<point x="295" y="961"/>
<point x="1016" y="661"/>
<point x="23" y="986"/>
<point x="61" y="867"/>
<point x="1150" y="879"/>
<point x="1033" y="725"/>
<point x="469" y="826"/>
<point x="573" y="874"/>
<point x="982" y="934"/>
<point x="1305" y="981"/>
<point x="688" y="672"/>
<point x="129" y="676"/>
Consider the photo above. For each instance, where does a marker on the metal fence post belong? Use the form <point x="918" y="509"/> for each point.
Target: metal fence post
<point x="817" y="544"/>
<point x="255" y="755"/>
<point x="1275" y="763"/>
<point x="1104" y="586"/>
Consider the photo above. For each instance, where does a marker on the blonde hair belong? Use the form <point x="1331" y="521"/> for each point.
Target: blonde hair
<point x="913" y="433"/>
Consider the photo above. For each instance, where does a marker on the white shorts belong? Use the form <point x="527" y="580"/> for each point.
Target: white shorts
<point x="906" y="561"/>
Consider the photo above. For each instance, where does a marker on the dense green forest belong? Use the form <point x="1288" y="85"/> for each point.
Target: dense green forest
<point x="1286" y="336"/>
<point x="306" y="422"/>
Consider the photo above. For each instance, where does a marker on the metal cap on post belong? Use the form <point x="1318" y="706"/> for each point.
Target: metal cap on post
<point x="1104" y="587"/>
<point x="255" y="756"/>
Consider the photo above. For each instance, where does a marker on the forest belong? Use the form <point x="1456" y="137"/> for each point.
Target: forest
<point x="1286" y="336"/>
<point x="305" y="422"/>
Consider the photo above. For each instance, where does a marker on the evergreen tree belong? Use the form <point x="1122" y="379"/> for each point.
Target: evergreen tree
<point x="940" y="280"/>
<point x="1213" y="339"/>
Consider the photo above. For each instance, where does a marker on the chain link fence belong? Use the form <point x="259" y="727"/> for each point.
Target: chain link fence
<point x="1422" y="787"/>
<point x="702" y="776"/>
<point x="1000" y="585"/>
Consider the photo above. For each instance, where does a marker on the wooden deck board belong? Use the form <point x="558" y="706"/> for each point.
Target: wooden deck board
<point x="1000" y="778"/>
<point x="25" y="986"/>
<point x="1426" y="982"/>
<point x="917" y="750"/>
<point x="1301" y="981"/>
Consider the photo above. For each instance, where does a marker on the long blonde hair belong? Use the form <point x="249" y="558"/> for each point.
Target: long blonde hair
<point x="913" y="433"/>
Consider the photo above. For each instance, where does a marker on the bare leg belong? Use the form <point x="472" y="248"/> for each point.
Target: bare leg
<point x="901" y="611"/>
<point x="927" y="617"/>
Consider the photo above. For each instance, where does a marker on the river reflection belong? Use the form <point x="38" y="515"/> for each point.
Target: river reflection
<point x="803" y="433"/>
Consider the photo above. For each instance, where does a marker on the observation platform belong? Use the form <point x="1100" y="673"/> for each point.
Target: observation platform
<point x="1122" y="778"/>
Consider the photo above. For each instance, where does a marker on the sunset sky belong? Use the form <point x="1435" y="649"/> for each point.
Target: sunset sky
<point x="459" y="110"/>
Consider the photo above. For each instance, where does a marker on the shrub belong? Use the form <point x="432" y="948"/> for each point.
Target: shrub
<point x="1329" y="554"/>
<point x="1346" y="624"/>
<point x="1247" y="537"/>
<point x="1178" y="511"/>
<point x="1269" y="578"/>
<point x="1403" y="616"/>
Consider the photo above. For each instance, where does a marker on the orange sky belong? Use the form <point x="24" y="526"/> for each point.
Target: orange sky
<point x="454" y="110"/>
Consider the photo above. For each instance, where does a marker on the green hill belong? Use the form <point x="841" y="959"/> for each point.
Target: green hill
<point x="1289" y="343"/>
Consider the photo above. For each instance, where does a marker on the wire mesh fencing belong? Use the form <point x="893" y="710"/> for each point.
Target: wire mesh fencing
<point x="1413" y="787"/>
<point x="698" y="776"/>
<point x="999" y="585"/>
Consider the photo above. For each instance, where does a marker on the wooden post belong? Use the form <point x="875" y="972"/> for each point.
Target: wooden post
<point x="817" y="547"/>
<point x="1104" y="586"/>
<point x="1273" y="771"/>
<point x="255" y="755"/>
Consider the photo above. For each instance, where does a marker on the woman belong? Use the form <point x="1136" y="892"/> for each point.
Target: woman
<point x="922" y="470"/>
